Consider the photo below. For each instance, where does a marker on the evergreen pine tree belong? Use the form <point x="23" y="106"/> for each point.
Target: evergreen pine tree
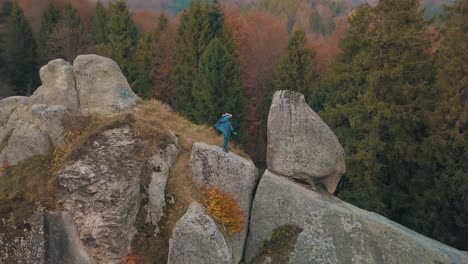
<point x="445" y="152"/>
<point x="218" y="87"/>
<point x="7" y="7"/>
<point x="452" y="78"/>
<point x="121" y="40"/>
<point x="297" y="71"/>
<point x="70" y="16"/>
<point x="145" y="55"/>
<point x="67" y="39"/>
<point x="100" y="21"/>
<point x="383" y="91"/>
<point x="49" y="19"/>
<point x="21" y="56"/>
<point x="193" y="37"/>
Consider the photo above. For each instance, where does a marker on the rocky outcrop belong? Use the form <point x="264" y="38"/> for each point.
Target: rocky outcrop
<point x="101" y="189"/>
<point x="33" y="126"/>
<point x="101" y="85"/>
<point x="197" y="240"/>
<point x="300" y="144"/>
<point x="334" y="231"/>
<point x="231" y="173"/>
<point x="58" y="86"/>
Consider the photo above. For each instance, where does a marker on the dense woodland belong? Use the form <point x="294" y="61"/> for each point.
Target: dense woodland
<point x="392" y="84"/>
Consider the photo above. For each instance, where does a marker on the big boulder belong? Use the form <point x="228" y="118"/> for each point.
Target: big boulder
<point x="58" y="86"/>
<point x="101" y="85"/>
<point x="197" y="240"/>
<point x="332" y="231"/>
<point x="300" y="144"/>
<point x="230" y="173"/>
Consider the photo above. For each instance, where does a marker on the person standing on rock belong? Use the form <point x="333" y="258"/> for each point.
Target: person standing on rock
<point x="224" y="125"/>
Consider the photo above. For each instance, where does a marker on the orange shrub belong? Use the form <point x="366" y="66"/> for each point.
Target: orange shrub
<point x="3" y="167"/>
<point x="223" y="207"/>
<point x="131" y="259"/>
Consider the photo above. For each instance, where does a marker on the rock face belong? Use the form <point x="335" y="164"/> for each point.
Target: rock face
<point x="158" y="168"/>
<point x="30" y="131"/>
<point x="8" y="105"/>
<point x="63" y="244"/>
<point x="300" y="144"/>
<point x="101" y="85"/>
<point x="197" y="240"/>
<point x="334" y="231"/>
<point x="230" y="173"/>
<point x="100" y="190"/>
<point x="58" y="86"/>
<point x="52" y="238"/>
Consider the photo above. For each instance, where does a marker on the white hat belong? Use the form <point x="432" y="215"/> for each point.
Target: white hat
<point x="227" y="114"/>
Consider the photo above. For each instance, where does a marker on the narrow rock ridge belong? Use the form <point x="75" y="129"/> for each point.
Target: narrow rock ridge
<point x="230" y="173"/>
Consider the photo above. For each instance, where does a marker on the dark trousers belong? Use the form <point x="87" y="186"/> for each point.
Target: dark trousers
<point x="226" y="142"/>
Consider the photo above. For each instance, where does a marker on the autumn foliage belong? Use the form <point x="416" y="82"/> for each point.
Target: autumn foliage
<point x="131" y="259"/>
<point x="223" y="207"/>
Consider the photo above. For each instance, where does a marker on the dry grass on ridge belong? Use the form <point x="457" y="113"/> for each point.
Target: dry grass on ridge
<point x="188" y="132"/>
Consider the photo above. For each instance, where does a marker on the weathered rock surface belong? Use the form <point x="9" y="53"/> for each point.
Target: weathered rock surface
<point x="51" y="238"/>
<point x="8" y="105"/>
<point x="158" y="168"/>
<point x="300" y="144"/>
<point x="197" y="240"/>
<point x="55" y="240"/>
<point x="26" y="140"/>
<point x="100" y="190"/>
<point x="58" y="86"/>
<point x="101" y="85"/>
<point x="231" y="173"/>
<point x="31" y="131"/>
<point x="336" y="232"/>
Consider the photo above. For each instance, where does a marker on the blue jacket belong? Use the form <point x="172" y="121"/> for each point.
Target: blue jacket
<point x="225" y="126"/>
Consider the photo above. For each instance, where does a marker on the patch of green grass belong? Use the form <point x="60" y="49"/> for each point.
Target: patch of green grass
<point x="280" y="245"/>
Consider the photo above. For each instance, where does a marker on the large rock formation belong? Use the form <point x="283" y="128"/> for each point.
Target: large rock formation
<point x="33" y="126"/>
<point x="197" y="240"/>
<point x="101" y="85"/>
<point x="102" y="188"/>
<point x="334" y="231"/>
<point x="300" y="144"/>
<point x="230" y="173"/>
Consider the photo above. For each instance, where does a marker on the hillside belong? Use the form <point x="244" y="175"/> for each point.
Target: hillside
<point x="88" y="178"/>
<point x="390" y="84"/>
